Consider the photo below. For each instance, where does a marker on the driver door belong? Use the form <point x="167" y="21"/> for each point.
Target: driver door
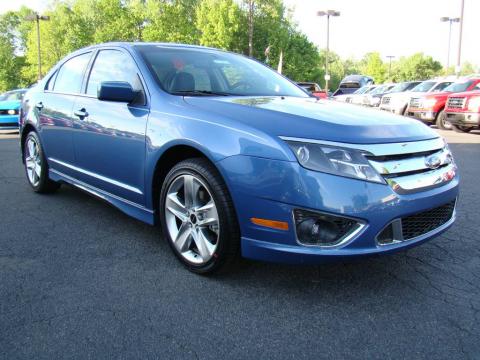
<point x="109" y="137"/>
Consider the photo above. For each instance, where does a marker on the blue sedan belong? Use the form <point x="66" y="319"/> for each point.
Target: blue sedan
<point x="9" y="108"/>
<point x="233" y="159"/>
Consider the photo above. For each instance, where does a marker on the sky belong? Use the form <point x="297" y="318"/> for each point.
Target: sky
<point x="391" y="27"/>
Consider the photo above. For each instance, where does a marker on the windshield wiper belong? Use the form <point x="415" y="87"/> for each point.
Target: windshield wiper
<point x="200" y="93"/>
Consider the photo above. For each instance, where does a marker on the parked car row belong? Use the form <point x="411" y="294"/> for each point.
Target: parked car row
<point x="448" y="103"/>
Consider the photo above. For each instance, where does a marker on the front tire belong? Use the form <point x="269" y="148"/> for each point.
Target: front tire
<point x="198" y="218"/>
<point x="461" y="129"/>
<point x="36" y="166"/>
<point x="442" y="122"/>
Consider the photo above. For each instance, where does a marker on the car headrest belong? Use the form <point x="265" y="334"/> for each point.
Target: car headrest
<point x="182" y="81"/>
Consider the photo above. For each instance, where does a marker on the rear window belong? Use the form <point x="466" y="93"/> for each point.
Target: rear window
<point x="70" y="76"/>
<point x="350" y="85"/>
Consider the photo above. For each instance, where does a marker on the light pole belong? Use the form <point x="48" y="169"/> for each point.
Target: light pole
<point x="459" y="53"/>
<point x="36" y="17"/>
<point x="390" y="57"/>
<point x="327" y="13"/>
<point x="450" y="21"/>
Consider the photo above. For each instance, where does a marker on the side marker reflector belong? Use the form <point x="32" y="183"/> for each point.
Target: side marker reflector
<point x="277" y="225"/>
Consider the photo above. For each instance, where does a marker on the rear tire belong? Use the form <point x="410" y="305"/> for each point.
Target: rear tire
<point x="198" y="217"/>
<point x="461" y="129"/>
<point x="442" y="122"/>
<point x="36" y="166"/>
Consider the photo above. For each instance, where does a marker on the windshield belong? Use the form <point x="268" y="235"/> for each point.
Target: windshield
<point x="379" y="90"/>
<point x="200" y="72"/>
<point x="12" y="96"/>
<point x="459" y="86"/>
<point x="423" y="86"/>
<point x="441" y="86"/>
<point x="362" y="90"/>
<point x="400" y="87"/>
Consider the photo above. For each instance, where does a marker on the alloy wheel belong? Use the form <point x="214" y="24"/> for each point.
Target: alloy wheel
<point x="33" y="161"/>
<point x="192" y="218"/>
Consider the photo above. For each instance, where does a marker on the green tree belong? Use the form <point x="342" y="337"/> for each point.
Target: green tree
<point x="416" y="67"/>
<point x="218" y="24"/>
<point x="13" y="35"/>
<point x="372" y="65"/>
<point x="171" y="21"/>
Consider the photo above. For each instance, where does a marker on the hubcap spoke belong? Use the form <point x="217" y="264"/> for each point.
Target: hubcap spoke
<point x="208" y="213"/>
<point x="205" y="248"/>
<point x="183" y="239"/>
<point x="190" y="188"/>
<point x="175" y="206"/>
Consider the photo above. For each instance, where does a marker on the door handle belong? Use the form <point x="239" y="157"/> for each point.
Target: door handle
<point x="82" y="113"/>
<point x="39" y="105"/>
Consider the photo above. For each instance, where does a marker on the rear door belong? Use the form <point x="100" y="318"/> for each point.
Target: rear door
<point x="110" y="139"/>
<point x="54" y="109"/>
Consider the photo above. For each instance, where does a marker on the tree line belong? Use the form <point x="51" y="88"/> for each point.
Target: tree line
<point x="244" y="26"/>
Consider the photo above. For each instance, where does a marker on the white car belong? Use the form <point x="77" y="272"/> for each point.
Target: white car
<point x="357" y="96"/>
<point x="373" y="98"/>
<point x="397" y="102"/>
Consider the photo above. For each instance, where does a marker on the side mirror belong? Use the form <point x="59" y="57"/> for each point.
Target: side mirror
<point x="120" y="91"/>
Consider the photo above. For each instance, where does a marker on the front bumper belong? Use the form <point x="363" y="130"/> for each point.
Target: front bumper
<point x="8" y="122"/>
<point x="272" y="189"/>
<point x="392" y="108"/>
<point x="428" y="116"/>
<point x="464" y="119"/>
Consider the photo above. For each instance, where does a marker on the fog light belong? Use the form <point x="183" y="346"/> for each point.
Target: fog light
<point x="324" y="229"/>
<point x="11" y="112"/>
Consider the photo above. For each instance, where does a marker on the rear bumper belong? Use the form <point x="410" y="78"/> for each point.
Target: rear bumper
<point x="427" y="116"/>
<point x="271" y="189"/>
<point x="464" y="119"/>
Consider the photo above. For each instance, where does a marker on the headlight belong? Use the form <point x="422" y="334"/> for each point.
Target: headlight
<point x="429" y="103"/>
<point x="11" y="112"/>
<point x="474" y="103"/>
<point x="335" y="160"/>
<point x="374" y="101"/>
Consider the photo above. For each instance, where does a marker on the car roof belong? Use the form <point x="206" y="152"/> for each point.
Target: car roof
<point x="126" y="44"/>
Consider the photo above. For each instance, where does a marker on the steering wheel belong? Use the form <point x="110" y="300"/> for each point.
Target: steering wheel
<point x="246" y="84"/>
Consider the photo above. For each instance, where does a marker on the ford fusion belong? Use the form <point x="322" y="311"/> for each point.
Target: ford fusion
<point x="231" y="158"/>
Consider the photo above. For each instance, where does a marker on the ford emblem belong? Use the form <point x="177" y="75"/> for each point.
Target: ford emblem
<point x="433" y="162"/>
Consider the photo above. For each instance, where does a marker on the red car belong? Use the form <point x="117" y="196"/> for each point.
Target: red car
<point x="463" y="110"/>
<point x="430" y="108"/>
<point x="314" y="89"/>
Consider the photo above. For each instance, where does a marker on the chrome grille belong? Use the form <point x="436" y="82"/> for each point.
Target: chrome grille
<point x="456" y="102"/>
<point x="415" y="103"/>
<point x="429" y="164"/>
<point x="386" y="100"/>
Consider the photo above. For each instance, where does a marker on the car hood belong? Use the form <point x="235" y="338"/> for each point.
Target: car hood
<point x="437" y="95"/>
<point x="8" y="105"/>
<point x="403" y="95"/>
<point x="315" y="119"/>
<point x="466" y="93"/>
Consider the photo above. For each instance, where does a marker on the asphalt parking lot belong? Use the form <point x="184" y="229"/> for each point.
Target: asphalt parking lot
<point x="79" y="279"/>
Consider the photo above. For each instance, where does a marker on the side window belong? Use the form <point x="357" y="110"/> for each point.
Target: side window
<point x="51" y="82"/>
<point x="70" y="76"/>
<point x="114" y="65"/>
<point x="477" y="87"/>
